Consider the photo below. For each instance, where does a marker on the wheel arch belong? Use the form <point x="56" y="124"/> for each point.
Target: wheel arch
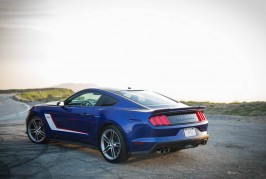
<point x="110" y="123"/>
<point x="31" y="115"/>
<point x="37" y="114"/>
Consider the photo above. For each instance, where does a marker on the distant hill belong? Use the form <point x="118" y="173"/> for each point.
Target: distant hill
<point x="76" y="86"/>
<point x="16" y="91"/>
<point x="73" y="86"/>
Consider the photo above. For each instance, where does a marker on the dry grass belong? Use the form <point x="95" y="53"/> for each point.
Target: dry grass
<point x="242" y="109"/>
<point x="46" y="95"/>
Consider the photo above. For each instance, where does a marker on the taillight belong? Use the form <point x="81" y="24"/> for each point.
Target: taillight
<point x="200" y="116"/>
<point x="160" y="120"/>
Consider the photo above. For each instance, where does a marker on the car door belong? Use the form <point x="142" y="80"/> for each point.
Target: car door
<point x="73" y="121"/>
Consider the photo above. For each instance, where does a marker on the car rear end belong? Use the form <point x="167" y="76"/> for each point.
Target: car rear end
<point x="163" y="124"/>
<point x="170" y="129"/>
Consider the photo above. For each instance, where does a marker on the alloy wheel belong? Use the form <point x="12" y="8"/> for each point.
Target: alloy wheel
<point x="110" y="144"/>
<point x="36" y="130"/>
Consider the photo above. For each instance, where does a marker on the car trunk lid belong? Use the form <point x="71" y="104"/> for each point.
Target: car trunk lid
<point x="177" y="116"/>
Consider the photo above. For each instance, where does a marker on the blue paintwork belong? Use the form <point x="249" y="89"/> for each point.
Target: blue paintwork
<point x="131" y="118"/>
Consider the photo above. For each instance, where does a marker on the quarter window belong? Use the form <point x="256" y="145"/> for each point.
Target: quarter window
<point x="107" y="101"/>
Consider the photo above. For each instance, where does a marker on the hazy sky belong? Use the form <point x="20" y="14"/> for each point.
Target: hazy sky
<point x="190" y="50"/>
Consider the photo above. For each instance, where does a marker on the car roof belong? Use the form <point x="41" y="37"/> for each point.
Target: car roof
<point x="114" y="90"/>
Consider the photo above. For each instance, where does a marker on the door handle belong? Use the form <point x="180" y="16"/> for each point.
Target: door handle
<point x="87" y="114"/>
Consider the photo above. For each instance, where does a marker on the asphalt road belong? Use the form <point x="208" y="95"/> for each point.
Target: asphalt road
<point x="236" y="149"/>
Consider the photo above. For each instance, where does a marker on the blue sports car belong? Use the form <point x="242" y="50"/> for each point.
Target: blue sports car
<point x="119" y="123"/>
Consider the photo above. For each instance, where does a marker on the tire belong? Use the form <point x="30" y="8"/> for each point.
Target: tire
<point x="112" y="145"/>
<point x="36" y="130"/>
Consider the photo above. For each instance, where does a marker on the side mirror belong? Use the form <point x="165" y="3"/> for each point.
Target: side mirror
<point x="60" y="103"/>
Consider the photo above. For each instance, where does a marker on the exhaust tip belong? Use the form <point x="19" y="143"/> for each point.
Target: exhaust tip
<point x="163" y="150"/>
<point x="204" y="142"/>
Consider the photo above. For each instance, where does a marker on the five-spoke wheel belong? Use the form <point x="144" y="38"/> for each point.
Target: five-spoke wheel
<point x="112" y="145"/>
<point x="35" y="130"/>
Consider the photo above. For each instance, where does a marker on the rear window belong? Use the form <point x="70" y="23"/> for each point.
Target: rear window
<point x="147" y="98"/>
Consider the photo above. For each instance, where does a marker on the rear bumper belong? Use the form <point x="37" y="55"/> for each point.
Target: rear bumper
<point x="180" y="141"/>
<point x="183" y="144"/>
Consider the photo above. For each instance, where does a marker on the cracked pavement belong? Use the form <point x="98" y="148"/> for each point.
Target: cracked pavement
<point x="236" y="149"/>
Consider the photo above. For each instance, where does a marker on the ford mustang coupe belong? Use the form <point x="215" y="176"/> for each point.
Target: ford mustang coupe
<point x="119" y="123"/>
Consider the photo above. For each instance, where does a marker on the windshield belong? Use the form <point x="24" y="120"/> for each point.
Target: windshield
<point x="147" y="98"/>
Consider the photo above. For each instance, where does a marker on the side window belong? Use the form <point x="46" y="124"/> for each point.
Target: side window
<point x="85" y="99"/>
<point x="107" y="101"/>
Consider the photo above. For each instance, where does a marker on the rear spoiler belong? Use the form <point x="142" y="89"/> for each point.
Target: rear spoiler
<point x="184" y="110"/>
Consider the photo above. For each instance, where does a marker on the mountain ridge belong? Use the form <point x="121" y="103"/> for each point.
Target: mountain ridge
<point x="75" y="86"/>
